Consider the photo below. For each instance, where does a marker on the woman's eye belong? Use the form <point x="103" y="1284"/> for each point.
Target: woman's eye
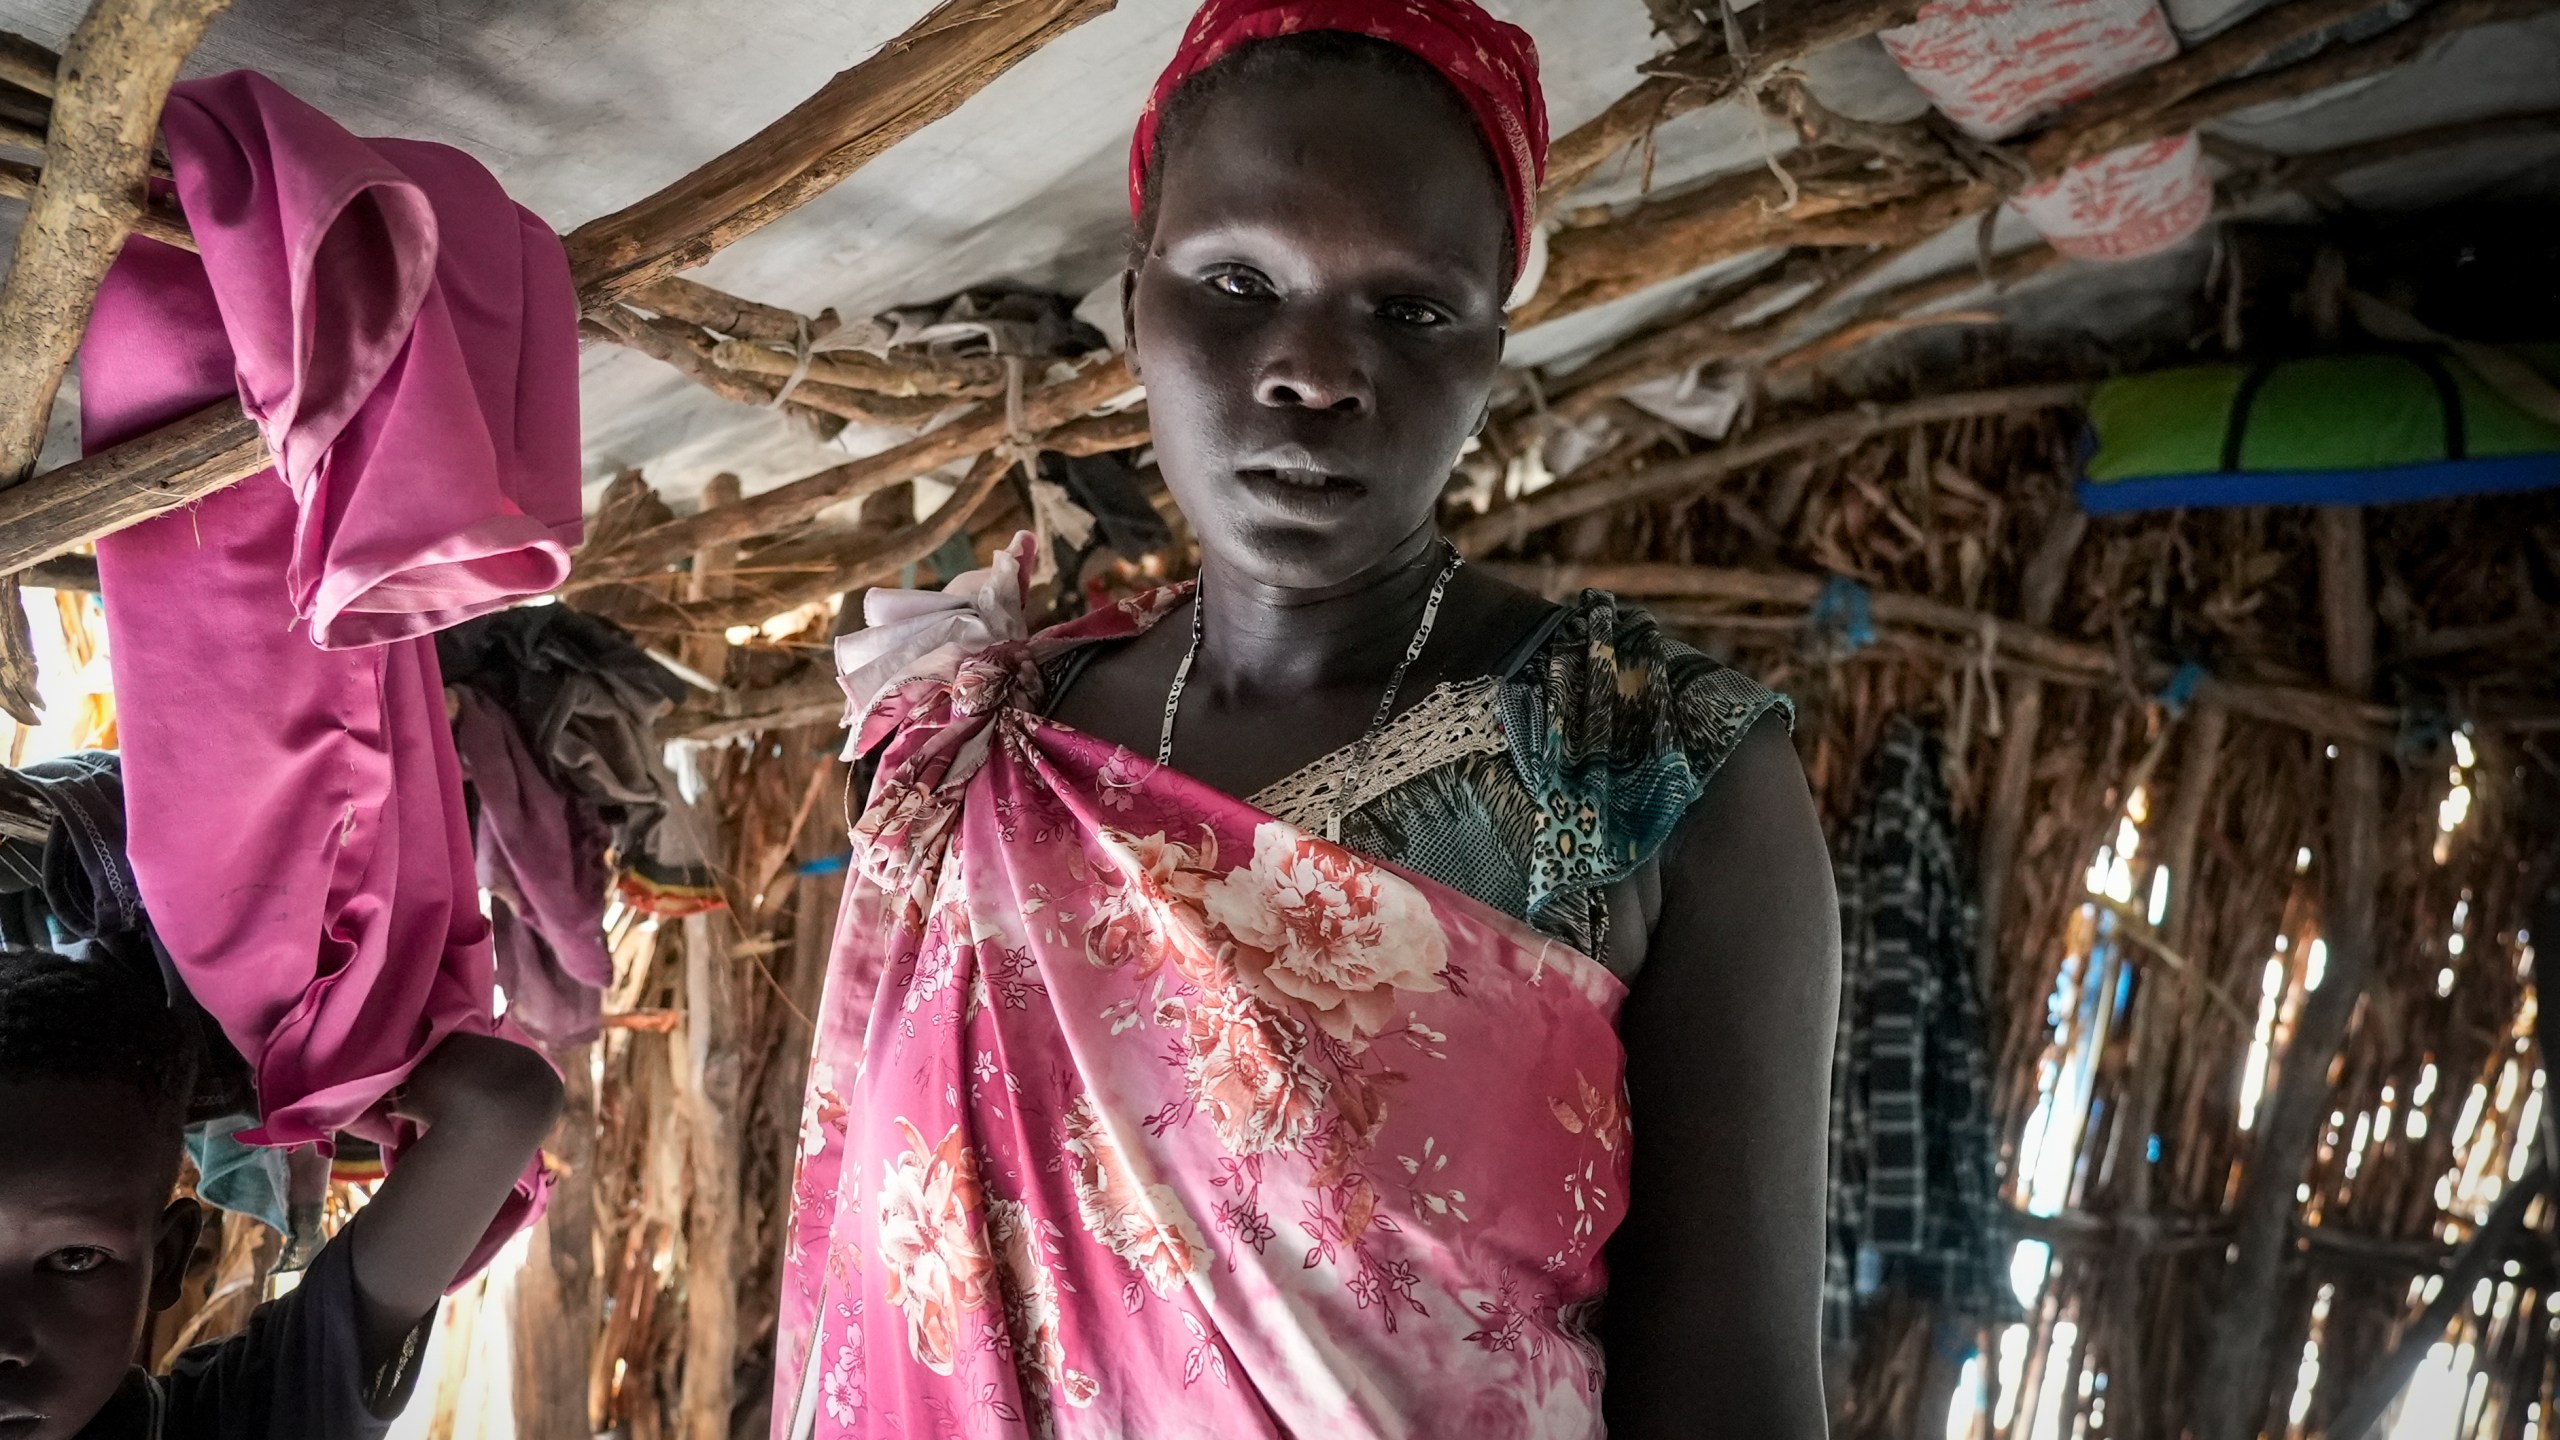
<point x="1412" y="312"/>
<point x="75" y="1259"/>
<point x="1240" y="284"/>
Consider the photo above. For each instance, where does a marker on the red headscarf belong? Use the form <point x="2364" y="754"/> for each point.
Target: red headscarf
<point x="1493" y="65"/>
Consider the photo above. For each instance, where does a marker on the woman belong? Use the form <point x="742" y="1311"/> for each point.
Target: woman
<point x="1148" y="1101"/>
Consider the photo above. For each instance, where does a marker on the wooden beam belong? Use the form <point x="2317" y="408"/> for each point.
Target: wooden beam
<point x="2005" y="817"/>
<point x="865" y="565"/>
<point x="1712" y="329"/>
<point x="64" y="572"/>
<point x="660" y="343"/>
<point x="2165" y="1009"/>
<point x="2231" y="1395"/>
<point x="698" y="304"/>
<point x="2296" y="172"/>
<point x="2130" y="111"/>
<point x="1712" y="334"/>
<point x="1101" y="434"/>
<point x="713" y="578"/>
<point x="708" y="1081"/>
<point x="2025" y="645"/>
<point x="2488" y="1245"/>
<point x="1889" y="311"/>
<point x="107" y="92"/>
<point x="1702" y="71"/>
<point x="1749" y="210"/>
<point x="556" y="1310"/>
<point x="974" y="377"/>
<point x="28" y="65"/>
<point x="1566" y="500"/>
<point x="941" y="61"/>
<point x="822" y="409"/>
<point x="145" y="476"/>
<point x="925" y="73"/>
<point x="816" y="700"/>
<point x="2336" y="65"/>
<point x="20" y="181"/>
<point x="115" y="76"/>
<point x="972" y="433"/>
<point x="1840" y="203"/>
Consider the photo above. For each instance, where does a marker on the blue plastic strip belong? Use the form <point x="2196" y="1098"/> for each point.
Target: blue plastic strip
<point x="2400" y="484"/>
<point x="1844" y="608"/>
<point x="2180" y="692"/>
<point x="827" y="864"/>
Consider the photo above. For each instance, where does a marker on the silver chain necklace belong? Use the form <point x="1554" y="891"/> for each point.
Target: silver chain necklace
<point x="1386" y="702"/>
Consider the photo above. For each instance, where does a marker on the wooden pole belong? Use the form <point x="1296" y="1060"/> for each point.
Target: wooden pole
<point x="714" y="578"/>
<point x="2005" y="821"/>
<point x="708" y="1081"/>
<point x="556" y="1310"/>
<point x="865" y="563"/>
<point x="927" y="72"/>
<point x="815" y="700"/>
<point x="2488" y="1245"/>
<point x="1567" y="500"/>
<point x="2232" y="1394"/>
<point x="2159" y="1015"/>
<point x="1684" y="234"/>
<point x="148" y="475"/>
<point x="973" y="433"/>
<point x="2017" y="647"/>
<point x="1703" y="71"/>
<point x="914" y="80"/>
<point x="114" y="77"/>
<point x="2161" y="1011"/>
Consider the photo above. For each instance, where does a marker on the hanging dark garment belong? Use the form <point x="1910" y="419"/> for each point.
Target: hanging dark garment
<point x="75" y="893"/>
<point x="540" y="856"/>
<point x="80" y="882"/>
<point x="586" y="702"/>
<point x="1914" y="1160"/>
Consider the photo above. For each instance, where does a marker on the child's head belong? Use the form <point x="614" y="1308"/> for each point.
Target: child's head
<point x="93" y="1084"/>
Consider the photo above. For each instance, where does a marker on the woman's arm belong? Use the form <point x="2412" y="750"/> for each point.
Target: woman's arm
<point x="1713" y="1323"/>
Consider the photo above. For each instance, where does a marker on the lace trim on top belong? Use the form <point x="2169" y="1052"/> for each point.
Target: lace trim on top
<point x="1454" y="721"/>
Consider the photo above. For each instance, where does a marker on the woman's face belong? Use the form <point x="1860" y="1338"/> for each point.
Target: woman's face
<point x="1319" y="318"/>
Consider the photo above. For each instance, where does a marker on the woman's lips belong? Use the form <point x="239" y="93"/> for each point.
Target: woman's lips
<point x="1302" y="493"/>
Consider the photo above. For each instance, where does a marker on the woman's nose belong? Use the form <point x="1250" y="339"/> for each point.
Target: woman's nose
<point x="1307" y="372"/>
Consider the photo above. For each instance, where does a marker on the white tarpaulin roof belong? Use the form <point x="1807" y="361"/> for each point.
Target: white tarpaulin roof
<point x="581" y="106"/>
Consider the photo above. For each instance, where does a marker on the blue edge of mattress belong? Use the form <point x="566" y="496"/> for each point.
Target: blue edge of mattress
<point x="2436" y="480"/>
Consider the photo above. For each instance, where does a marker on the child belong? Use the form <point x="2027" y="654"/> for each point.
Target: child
<point x="92" y="1082"/>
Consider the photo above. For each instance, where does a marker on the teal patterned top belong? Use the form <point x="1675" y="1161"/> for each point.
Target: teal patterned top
<point x="1538" y="789"/>
<point x="1544" y="786"/>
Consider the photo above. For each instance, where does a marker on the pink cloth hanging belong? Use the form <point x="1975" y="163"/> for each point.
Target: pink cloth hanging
<point x="406" y="338"/>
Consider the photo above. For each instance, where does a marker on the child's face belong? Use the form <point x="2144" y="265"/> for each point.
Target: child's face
<point x="90" y="1244"/>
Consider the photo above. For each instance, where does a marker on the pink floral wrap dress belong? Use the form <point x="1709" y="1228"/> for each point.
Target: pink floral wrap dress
<point x="1137" y="1112"/>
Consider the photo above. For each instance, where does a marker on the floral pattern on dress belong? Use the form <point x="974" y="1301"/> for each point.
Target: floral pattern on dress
<point x="1245" y="1067"/>
<point x="1135" y="1111"/>
<point x="1319" y="927"/>
<point x="932" y="1219"/>
<point x="1142" y="1224"/>
<point x="1024" y="1244"/>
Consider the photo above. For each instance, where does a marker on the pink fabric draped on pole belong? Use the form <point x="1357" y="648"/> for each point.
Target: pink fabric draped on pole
<point x="406" y="338"/>
<point x="1137" y="1112"/>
